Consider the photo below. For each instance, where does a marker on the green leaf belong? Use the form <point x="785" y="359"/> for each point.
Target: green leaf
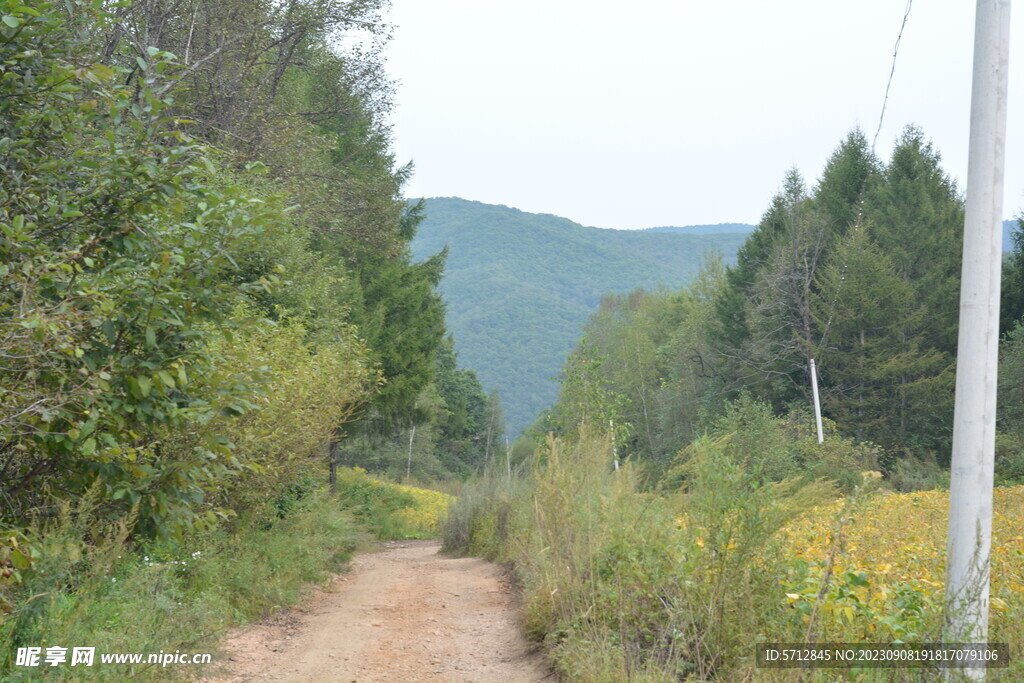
<point x="102" y="71"/>
<point x="165" y="378"/>
<point x="89" y="446"/>
<point x="13" y="22"/>
<point x="133" y="387"/>
<point x="19" y="560"/>
<point x="145" y="385"/>
<point x="150" y="338"/>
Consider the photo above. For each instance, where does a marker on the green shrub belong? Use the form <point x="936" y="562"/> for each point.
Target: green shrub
<point x="114" y="249"/>
<point x="917" y="473"/>
<point x="772" y="448"/>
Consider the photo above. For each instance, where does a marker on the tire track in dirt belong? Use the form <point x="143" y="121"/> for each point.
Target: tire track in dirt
<point x="402" y="614"/>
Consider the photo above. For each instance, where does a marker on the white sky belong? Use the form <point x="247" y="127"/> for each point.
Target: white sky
<point x="661" y="112"/>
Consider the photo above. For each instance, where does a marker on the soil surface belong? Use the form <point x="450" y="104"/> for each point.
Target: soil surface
<point x="404" y="613"/>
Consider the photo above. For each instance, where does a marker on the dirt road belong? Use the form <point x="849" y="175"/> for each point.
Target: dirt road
<point x="402" y="614"/>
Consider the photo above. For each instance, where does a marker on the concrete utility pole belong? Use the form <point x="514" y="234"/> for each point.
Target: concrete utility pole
<point x="970" y="508"/>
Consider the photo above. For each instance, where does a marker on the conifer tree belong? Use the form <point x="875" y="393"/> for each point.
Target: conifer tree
<point x="840" y="193"/>
<point x="915" y="216"/>
<point x="862" y="307"/>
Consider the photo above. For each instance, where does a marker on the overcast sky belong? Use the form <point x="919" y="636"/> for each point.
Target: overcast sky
<point x="673" y="112"/>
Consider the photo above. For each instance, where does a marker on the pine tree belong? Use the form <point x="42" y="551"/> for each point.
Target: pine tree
<point x="915" y="216"/>
<point x="401" y="316"/>
<point x="862" y="308"/>
<point x="840" y="193"/>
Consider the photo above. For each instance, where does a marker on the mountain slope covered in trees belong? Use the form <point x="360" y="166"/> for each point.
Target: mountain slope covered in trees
<point x="859" y="272"/>
<point x="519" y="286"/>
<point x="714" y="229"/>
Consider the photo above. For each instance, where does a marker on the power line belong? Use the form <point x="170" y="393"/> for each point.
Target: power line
<point x="874" y="142"/>
<point x="892" y="72"/>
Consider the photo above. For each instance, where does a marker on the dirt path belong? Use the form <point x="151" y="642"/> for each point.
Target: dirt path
<point x="402" y="614"/>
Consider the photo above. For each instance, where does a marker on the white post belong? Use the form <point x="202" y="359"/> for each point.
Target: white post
<point x="817" y="403"/>
<point x="615" y="451"/>
<point x="974" y="421"/>
<point x="408" y="464"/>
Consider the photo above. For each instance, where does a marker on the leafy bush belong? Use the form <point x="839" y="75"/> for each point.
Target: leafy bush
<point x="773" y="449"/>
<point x="115" y="249"/>
<point x="1009" y="464"/>
<point x="916" y="473"/>
<point x="300" y="393"/>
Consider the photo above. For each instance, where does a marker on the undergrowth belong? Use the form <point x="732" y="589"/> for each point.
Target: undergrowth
<point x="92" y="585"/>
<point x="621" y="584"/>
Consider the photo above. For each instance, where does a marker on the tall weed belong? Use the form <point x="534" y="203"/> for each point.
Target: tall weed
<point x="623" y="584"/>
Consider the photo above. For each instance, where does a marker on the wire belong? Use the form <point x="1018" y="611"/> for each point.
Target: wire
<point x="892" y="72"/>
<point x="874" y="142"/>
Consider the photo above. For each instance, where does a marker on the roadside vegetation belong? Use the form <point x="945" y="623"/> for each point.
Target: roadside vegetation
<point x="97" y="585"/>
<point x="674" y="507"/>
<point x="623" y="583"/>
<point x="203" y="260"/>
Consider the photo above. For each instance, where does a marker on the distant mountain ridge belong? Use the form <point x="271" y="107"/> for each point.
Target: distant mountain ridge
<point x="519" y="286"/>
<point x="716" y="229"/>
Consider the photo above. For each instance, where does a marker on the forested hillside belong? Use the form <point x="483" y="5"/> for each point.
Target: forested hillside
<point x="859" y="272"/>
<point x="519" y="286"/>
<point x="716" y="229"/>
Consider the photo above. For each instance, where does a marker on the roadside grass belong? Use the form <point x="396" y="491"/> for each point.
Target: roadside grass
<point x="89" y="586"/>
<point x="622" y="584"/>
